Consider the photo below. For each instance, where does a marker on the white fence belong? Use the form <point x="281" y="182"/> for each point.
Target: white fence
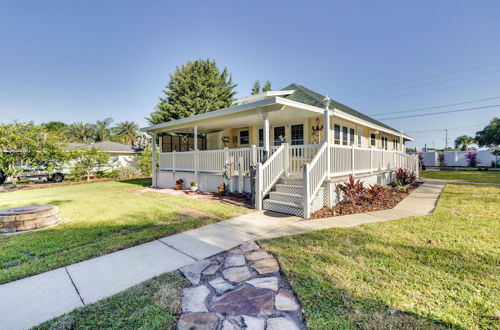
<point x="456" y="158"/>
<point x="268" y="174"/>
<point x="315" y="174"/>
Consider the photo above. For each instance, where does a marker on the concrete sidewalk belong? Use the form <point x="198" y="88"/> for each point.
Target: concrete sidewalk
<point x="27" y="302"/>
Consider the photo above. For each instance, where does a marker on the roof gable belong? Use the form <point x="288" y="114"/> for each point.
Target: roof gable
<point x="307" y="96"/>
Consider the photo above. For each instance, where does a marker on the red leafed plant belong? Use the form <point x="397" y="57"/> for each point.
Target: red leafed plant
<point x="376" y="192"/>
<point x="405" y="176"/>
<point x="353" y="190"/>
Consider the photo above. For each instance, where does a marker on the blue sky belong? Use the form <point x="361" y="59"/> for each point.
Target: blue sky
<point x="87" y="60"/>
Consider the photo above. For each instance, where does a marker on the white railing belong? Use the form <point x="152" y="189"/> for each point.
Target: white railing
<point x="298" y="155"/>
<point x="315" y="173"/>
<point x="268" y="174"/>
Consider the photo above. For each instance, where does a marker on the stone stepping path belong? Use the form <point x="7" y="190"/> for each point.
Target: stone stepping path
<point x="238" y="289"/>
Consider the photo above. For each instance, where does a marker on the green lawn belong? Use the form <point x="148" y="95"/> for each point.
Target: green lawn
<point x="154" y="304"/>
<point x="471" y="176"/>
<point x="100" y="218"/>
<point x="435" y="271"/>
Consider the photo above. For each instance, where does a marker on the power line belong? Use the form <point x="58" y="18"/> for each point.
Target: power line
<point x="422" y="78"/>
<point x="436" y="106"/>
<point x="422" y="85"/>
<point x="423" y="92"/>
<point x="441" y="112"/>
<point x="442" y="129"/>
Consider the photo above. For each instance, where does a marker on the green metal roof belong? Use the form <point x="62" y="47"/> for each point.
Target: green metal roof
<point x="307" y="96"/>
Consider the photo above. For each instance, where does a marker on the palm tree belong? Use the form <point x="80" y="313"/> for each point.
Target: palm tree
<point x="129" y="131"/>
<point x="102" y="130"/>
<point x="464" y="142"/>
<point x="80" y="132"/>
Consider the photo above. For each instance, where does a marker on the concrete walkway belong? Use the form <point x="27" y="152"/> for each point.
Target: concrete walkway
<point x="27" y="302"/>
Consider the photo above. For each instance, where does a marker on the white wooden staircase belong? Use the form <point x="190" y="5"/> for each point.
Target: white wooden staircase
<point x="287" y="197"/>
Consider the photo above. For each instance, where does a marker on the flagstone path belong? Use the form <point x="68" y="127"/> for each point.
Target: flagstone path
<point x="238" y="289"/>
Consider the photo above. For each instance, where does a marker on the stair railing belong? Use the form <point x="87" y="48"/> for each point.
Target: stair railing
<point x="315" y="173"/>
<point x="268" y="173"/>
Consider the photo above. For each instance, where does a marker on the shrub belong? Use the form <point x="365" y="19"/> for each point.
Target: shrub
<point x="472" y="160"/>
<point x="353" y="190"/>
<point x="113" y="174"/>
<point x="441" y="160"/>
<point x="400" y="186"/>
<point x="405" y="176"/>
<point x="179" y="181"/>
<point x="128" y="172"/>
<point x="376" y="192"/>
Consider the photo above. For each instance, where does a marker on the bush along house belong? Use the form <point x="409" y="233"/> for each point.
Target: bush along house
<point x="297" y="144"/>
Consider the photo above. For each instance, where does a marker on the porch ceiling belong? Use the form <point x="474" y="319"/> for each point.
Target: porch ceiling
<point x="277" y="113"/>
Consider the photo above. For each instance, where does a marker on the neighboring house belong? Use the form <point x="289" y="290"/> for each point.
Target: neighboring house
<point x="122" y="155"/>
<point x="300" y="144"/>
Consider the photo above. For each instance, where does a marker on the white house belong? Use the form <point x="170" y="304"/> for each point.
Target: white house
<point x="300" y="143"/>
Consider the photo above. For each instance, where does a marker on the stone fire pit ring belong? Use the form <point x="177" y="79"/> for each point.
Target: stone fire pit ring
<point x="31" y="217"/>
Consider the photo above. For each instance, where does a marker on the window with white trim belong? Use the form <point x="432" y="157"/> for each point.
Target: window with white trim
<point x="373" y="139"/>
<point x="344" y="135"/>
<point x="336" y="134"/>
<point x="244" y="137"/>
<point x="351" y="136"/>
<point x="360" y="137"/>
<point x="297" y="132"/>
<point x="279" y="135"/>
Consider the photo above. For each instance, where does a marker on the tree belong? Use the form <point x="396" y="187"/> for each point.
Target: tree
<point x="26" y="145"/>
<point x="145" y="160"/>
<point x="267" y="86"/>
<point x="441" y="159"/>
<point x="472" y="160"/>
<point x="129" y="131"/>
<point x="87" y="161"/>
<point x="195" y="87"/>
<point x="490" y="135"/>
<point x="80" y="132"/>
<point x="256" y="87"/>
<point x="55" y="128"/>
<point x="464" y="142"/>
<point x="102" y="130"/>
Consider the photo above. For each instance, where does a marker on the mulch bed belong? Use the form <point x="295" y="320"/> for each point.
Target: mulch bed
<point x="391" y="199"/>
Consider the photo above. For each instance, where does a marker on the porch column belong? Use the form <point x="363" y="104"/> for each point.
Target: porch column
<point x="195" y="135"/>
<point x="401" y="141"/>
<point x="153" y="163"/>
<point x="265" y="128"/>
<point x="327" y="132"/>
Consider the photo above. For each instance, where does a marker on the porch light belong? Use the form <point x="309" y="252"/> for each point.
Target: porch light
<point x="327" y="101"/>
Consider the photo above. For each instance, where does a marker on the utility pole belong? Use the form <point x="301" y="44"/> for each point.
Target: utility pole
<point x="446" y="144"/>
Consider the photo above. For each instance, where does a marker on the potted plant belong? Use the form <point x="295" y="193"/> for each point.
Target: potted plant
<point x="179" y="184"/>
<point x="222" y="189"/>
<point x="194" y="186"/>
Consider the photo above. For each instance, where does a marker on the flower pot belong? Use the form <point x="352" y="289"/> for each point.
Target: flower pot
<point x="194" y="188"/>
<point x="179" y="186"/>
<point x="222" y="192"/>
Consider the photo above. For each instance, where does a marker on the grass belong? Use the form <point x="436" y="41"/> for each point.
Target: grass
<point x="100" y="218"/>
<point x="435" y="271"/>
<point x="154" y="304"/>
<point x="471" y="176"/>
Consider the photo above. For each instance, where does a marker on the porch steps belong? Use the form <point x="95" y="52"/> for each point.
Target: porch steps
<point x="286" y="197"/>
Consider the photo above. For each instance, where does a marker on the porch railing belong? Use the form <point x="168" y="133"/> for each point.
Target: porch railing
<point x="269" y="173"/>
<point x="315" y="174"/>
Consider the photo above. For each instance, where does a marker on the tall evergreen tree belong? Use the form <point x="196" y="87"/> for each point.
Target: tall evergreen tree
<point x="256" y="87"/>
<point x="195" y="87"/>
<point x="490" y="135"/>
<point x="267" y="86"/>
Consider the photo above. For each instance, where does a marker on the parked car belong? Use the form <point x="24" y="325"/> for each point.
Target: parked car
<point x="38" y="173"/>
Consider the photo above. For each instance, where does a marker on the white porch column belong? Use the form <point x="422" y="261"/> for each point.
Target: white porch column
<point x="327" y="132"/>
<point x="153" y="162"/>
<point x="195" y="136"/>
<point x="265" y="127"/>
<point x="196" y="154"/>
<point x="401" y="141"/>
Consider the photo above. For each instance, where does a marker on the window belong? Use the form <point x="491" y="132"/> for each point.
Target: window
<point x="297" y="134"/>
<point x="351" y="136"/>
<point x="384" y="142"/>
<point x="279" y="135"/>
<point x="344" y="135"/>
<point x="244" y="137"/>
<point x="336" y="134"/>
<point x="395" y="144"/>
<point x="373" y="139"/>
<point x="360" y="142"/>
<point x="261" y="137"/>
